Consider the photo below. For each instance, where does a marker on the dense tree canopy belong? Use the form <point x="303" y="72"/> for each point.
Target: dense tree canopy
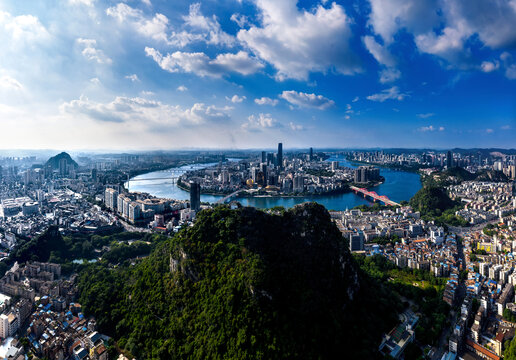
<point x="244" y="284"/>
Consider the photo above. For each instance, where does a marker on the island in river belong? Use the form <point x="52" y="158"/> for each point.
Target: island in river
<point x="398" y="186"/>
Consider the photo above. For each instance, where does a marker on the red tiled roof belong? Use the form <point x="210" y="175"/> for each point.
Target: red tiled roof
<point x="483" y="350"/>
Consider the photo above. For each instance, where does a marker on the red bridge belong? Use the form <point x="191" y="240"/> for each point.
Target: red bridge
<point x="374" y="196"/>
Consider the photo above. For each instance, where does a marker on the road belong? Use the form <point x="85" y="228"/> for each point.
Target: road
<point x="461" y="293"/>
<point x="461" y="230"/>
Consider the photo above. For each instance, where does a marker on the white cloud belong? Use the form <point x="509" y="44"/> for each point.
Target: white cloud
<point x="88" y="3"/>
<point x="90" y="51"/>
<point x="9" y="83"/>
<point x="182" y="88"/>
<point x="240" y="20"/>
<point x="431" y="128"/>
<point x="157" y="27"/>
<point x="143" y="111"/>
<point x="489" y="66"/>
<point x="297" y="42"/>
<point x="146" y="93"/>
<point x="200" y="64"/>
<point x="209" y="27"/>
<point x="379" y="52"/>
<point x="506" y="127"/>
<point x="425" y="115"/>
<point x="236" y="99"/>
<point x="260" y="122"/>
<point x="295" y="127"/>
<point x="489" y="131"/>
<point x="448" y="45"/>
<point x="132" y="77"/>
<point x="355" y="99"/>
<point x="392" y="93"/>
<point x="510" y="67"/>
<point x="266" y="101"/>
<point x="389" y="75"/>
<point x="147" y="2"/>
<point x="443" y="28"/>
<point x="22" y="29"/>
<point x="95" y="81"/>
<point x="387" y="17"/>
<point x="307" y="100"/>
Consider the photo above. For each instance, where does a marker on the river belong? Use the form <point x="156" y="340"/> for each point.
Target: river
<point x="398" y="186"/>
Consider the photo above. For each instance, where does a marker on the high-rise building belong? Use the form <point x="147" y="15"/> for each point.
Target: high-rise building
<point x="263" y="170"/>
<point x="195" y="196"/>
<point x="365" y="174"/>
<point x="449" y="160"/>
<point x="264" y="156"/>
<point x="311" y="157"/>
<point x="111" y="198"/>
<point x="279" y="159"/>
<point x="299" y="184"/>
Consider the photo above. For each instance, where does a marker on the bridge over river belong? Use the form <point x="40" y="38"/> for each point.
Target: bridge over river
<point x="373" y="195"/>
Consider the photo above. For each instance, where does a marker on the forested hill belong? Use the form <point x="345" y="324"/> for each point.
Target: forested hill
<point x="243" y="284"/>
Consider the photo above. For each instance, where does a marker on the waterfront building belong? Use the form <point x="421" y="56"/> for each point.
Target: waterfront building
<point x="299" y="184"/>
<point x="195" y="196"/>
<point x="366" y="174"/>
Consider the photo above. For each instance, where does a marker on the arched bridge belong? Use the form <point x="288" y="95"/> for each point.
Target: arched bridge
<point x="373" y="195"/>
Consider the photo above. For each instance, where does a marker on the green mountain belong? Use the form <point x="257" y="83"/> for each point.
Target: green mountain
<point x="41" y="247"/>
<point x="431" y="201"/>
<point x="460" y="173"/>
<point x="55" y="160"/>
<point x="244" y="284"/>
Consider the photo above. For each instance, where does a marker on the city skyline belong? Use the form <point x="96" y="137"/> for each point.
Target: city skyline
<point x="148" y="75"/>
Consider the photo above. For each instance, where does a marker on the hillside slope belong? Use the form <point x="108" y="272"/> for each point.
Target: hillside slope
<point x="243" y="284"/>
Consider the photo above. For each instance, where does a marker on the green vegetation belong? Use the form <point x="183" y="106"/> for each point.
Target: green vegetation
<point x="431" y="201"/>
<point x="435" y="204"/>
<point x="384" y="240"/>
<point x="457" y="175"/>
<point x="245" y="284"/>
<point x="377" y="206"/>
<point x="509" y="316"/>
<point x="510" y="350"/>
<point x="53" y="247"/>
<point x="420" y="287"/>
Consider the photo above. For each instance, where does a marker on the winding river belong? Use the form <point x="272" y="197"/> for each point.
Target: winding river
<point x="398" y="186"/>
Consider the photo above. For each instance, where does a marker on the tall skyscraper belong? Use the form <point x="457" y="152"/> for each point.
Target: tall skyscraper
<point x="263" y="170"/>
<point x="264" y="156"/>
<point x="311" y="154"/>
<point x="449" y="160"/>
<point x="195" y="196"/>
<point x="280" y="155"/>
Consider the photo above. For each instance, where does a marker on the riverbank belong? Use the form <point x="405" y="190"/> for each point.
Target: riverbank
<point x="247" y="194"/>
<point x="398" y="186"/>
<point x="412" y="169"/>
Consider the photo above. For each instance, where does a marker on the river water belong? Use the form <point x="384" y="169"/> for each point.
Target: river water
<point x="398" y="186"/>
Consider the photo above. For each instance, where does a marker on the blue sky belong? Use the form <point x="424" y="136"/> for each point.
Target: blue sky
<point x="156" y="74"/>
